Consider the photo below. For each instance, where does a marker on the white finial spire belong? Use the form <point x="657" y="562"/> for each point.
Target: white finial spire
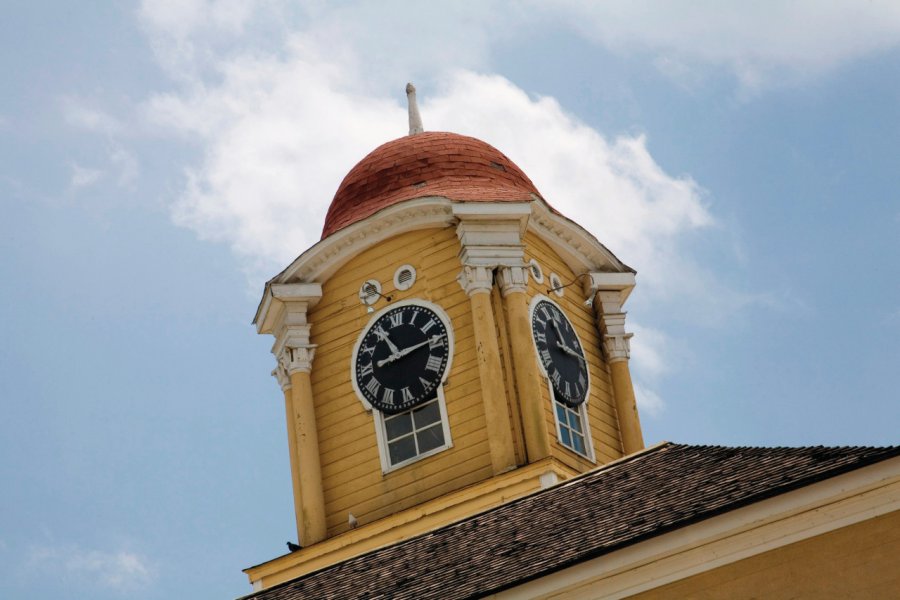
<point x="415" y="119"/>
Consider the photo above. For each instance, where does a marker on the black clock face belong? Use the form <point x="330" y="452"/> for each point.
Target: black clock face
<point x="560" y="353"/>
<point x="402" y="358"/>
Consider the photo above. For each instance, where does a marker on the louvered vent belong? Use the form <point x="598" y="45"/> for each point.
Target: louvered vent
<point x="404" y="277"/>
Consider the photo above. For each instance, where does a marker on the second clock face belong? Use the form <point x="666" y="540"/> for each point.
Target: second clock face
<point x="560" y="353"/>
<point x="401" y="358"/>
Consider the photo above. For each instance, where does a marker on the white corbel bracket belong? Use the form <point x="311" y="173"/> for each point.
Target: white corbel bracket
<point x="622" y="283"/>
<point x="490" y="233"/>
<point x="284" y="315"/>
<point x="608" y="291"/>
<point x="490" y="237"/>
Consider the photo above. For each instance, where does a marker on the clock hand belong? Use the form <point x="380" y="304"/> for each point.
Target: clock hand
<point x="404" y="352"/>
<point x="560" y="341"/>
<point x="383" y="336"/>
<point x="556" y="327"/>
<point x="571" y="352"/>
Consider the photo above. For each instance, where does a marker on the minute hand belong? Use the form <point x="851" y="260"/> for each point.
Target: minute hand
<point x="402" y="353"/>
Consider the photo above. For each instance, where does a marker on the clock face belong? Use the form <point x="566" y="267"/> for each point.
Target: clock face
<point x="401" y="358"/>
<point x="560" y="353"/>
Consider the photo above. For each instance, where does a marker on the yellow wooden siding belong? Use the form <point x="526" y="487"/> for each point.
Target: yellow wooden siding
<point x="351" y="469"/>
<point x="858" y="561"/>
<point x="602" y="419"/>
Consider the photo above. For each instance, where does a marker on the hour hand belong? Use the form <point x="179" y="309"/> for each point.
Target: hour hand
<point x="571" y="352"/>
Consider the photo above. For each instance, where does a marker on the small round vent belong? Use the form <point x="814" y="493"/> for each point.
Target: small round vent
<point x="369" y="292"/>
<point x="556" y="284"/>
<point x="404" y="277"/>
<point x="536" y="272"/>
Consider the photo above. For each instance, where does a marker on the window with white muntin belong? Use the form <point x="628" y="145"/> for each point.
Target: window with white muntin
<point x="413" y="434"/>
<point x="570" y="428"/>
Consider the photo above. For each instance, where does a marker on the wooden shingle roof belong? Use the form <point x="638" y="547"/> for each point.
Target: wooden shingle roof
<point x="643" y="496"/>
<point x="433" y="163"/>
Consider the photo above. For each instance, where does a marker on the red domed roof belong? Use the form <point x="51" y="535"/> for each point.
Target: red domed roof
<point x="432" y="163"/>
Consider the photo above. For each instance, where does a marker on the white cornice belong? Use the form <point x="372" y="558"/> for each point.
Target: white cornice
<point x="579" y="249"/>
<point x="319" y="262"/>
<point x="575" y="245"/>
<point x="760" y="527"/>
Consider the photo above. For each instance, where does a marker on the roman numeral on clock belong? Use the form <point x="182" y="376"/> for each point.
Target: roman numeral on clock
<point x="365" y="370"/>
<point x="424" y="328"/>
<point x="545" y="356"/>
<point x="434" y="363"/>
<point x="396" y="319"/>
<point x="388" y="396"/>
<point x="373" y="386"/>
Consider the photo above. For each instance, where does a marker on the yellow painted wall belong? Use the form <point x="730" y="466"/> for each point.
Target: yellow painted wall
<point x="859" y="561"/>
<point x="351" y="469"/>
<point x="601" y="405"/>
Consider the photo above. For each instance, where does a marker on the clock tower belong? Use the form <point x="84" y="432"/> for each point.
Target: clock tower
<point x="450" y="344"/>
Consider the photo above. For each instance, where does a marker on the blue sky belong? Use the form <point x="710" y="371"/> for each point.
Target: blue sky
<point x="159" y="161"/>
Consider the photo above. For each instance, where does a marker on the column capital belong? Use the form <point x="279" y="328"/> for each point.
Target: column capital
<point x="617" y="347"/>
<point x="281" y="375"/>
<point x="476" y="279"/>
<point x="297" y="359"/>
<point x="512" y="279"/>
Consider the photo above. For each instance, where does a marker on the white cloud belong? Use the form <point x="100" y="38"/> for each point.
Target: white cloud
<point x="121" y="570"/>
<point x="613" y="187"/>
<point x="182" y="18"/>
<point x="79" y="114"/>
<point x="126" y="165"/>
<point x="649" y="402"/>
<point x="649" y="349"/>
<point x="759" y="42"/>
<point x="280" y="133"/>
<point x="83" y="176"/>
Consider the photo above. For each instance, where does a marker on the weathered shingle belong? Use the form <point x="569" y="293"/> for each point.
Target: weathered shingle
<point x="433" y="163"/>
<point x="649" y="494"/>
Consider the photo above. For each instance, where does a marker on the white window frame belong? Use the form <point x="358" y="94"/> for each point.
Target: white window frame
<point x="377" y="416"/>
<point x="581" y="408"/>
<point x="381" y="436"/>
